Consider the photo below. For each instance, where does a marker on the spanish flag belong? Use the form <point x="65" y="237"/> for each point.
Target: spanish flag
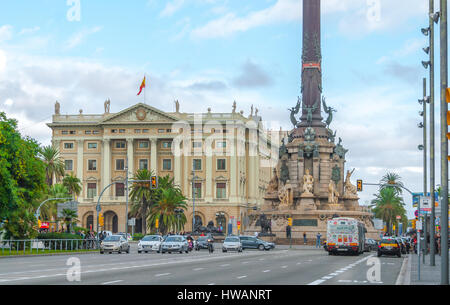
<point x="142" y="86"/>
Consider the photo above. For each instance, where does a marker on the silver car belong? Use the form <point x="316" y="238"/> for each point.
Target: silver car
<point x="150" y="243"/>
<point x="114" y="243"/>
<point x="174" y="243"/>
<point x="232" y="243"/>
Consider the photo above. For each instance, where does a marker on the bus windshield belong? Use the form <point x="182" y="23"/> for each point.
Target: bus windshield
<point x="342" y="228"/>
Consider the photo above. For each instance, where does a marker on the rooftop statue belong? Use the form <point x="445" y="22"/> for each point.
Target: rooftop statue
<point x="294" y="111"/>
<point x="310" y="111"/>
<point x="329" y="111"/>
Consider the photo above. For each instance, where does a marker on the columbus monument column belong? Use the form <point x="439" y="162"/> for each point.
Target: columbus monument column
<point x="311" y="65"/>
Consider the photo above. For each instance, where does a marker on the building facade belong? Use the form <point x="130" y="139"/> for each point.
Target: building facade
<point x="224" y="159"/>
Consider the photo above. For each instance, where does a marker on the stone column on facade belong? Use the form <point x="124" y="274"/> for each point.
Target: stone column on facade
<point x="316" y="175"/>
<point x="234" y="174"/>
<point x="154" y="156"/>
<point x="130" y="157"/>
<point x="177" y="168"/>
<point x="209" y="179"/>
<point x="80" y="163"/>
<point x="106" y="166"/>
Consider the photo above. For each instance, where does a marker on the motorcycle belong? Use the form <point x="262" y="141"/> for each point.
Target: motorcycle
<point x="190" y="245"/>
<point x="210" y="245"/>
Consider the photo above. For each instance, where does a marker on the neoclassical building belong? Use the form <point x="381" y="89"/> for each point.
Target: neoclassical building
<point x="225" y="159"/>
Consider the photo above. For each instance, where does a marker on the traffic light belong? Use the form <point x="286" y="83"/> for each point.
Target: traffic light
<point x="101" y="220"/>
<point x="239" y="225"/>
<point x="290" y="221"/>
<point x="413" y="222"/>
<point x="157" y="223"/>
<point x="154" y="182"/>
<point x="39" y="224"/>
<point x="447" y="98"/>
<point x="359" y="185"/>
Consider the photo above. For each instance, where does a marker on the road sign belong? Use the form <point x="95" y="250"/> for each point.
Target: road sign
<point x="98" y="208"/>
<point x="425" y="204"/>
<point x="399" y="217"/>
<point x="132" y="221"/>
<point x="416" y="213"/>
<point x="419" y="225"/>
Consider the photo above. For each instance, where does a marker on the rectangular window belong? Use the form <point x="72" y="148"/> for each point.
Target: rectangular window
<point x="221" y="144"/>
<point x="167" y="144"/>
<point x="197" y="164"/>
<point x="120" y="164"/>
<point x="137" y="131"/>
<point x="197" y="190"/>
<point x="161" y="131"/>
<point x="168" y="130"/>
<point x="145" y="130"/>
<point x="221" y="190"/>
<point x="221" y="164"/>
<point x="121" y="130"/>
<point x="113" y="130"/>
<point x="120" y="144"/>
<point x="143" y="164"/>
<point x="91" y="190"/>
<point x="96" y="132"/>
<point x="92" y="145"/>
<point x="196" y="144"/>
<point x="72" y="132"/>
<point x="143" y="144"/>
<point x="120" y="189"/>
<point x="88" y="132"/>
<point x="68" y="145"/>
<point x="64" y="132"/>
<point x="167" y="164"/>
<point x="68" y="165"/>
<point x="92" y="165"/>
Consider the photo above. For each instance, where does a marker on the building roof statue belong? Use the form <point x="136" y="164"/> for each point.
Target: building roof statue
<point x="57" y="108"/>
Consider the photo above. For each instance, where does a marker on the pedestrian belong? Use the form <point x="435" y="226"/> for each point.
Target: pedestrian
<point x="256" y="234"/>
<point x="318" y="236"/>
<point x="304" y="238"/>
<point x="439" y="243"/>
<point x="288" y="231"/>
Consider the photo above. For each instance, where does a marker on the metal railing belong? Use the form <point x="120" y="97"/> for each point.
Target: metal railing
<point x="43" y="246"/>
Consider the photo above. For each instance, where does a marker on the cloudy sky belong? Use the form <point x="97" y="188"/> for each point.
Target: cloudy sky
<point x="208" y="53"/>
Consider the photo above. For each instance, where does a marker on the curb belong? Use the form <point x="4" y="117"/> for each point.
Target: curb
<point x="404" y="277"/>
<point x="48" y="254"/>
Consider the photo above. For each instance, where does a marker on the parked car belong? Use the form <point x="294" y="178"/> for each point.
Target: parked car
<point x="114" y="243"/>
<point x="150" y="243"/>
<point x="232" y="243"/>
<point x="174" y="243"/>
<point x="370" y="245"/>
<point x="252" y="242"/>
<point x="127" y="236"/>
<point x="389" y="246"/>
<point x="202" y="242"/>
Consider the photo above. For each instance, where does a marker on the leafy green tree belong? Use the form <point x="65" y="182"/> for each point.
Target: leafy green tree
<point x="70" y="218"/>
<point x="49" y="209"/>
<point x="141" y="196"/>
<point x="54" y="165"/>
<point x="392" y="180"/>
<point x="22" y="180"/>
<point x="387" y="206"/>
<point x="73" y="184"/>
<point x="170" y="199"/>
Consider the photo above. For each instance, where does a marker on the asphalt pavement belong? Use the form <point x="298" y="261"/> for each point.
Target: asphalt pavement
<point x="251" y="267"/>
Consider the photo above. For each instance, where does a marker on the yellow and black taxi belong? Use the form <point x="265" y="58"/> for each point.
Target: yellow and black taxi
<point x="389" y="246"/>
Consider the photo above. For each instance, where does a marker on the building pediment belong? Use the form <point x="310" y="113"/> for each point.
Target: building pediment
<point x="139" y="113"/>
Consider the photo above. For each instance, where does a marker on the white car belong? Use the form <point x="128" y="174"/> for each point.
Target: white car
<point x="150" y="243"/>
<point x="232" y="243"/>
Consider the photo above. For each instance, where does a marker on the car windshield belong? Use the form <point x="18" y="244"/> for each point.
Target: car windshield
<point x="174" y="239"/>
<point x="151" y="238"/>
<point x="112" y="238"/>
<point x="232" y="240"/>
<point x="203" y="238"/>
<point x="389" y="241"/>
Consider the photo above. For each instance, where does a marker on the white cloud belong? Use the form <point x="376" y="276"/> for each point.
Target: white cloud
<point x="29" y="30"/>
<point x="5" y="33"/>
<point x="78" y="38"/>
<point x="172" y="7"/>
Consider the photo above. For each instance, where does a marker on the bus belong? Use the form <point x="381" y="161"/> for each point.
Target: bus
<point x="345" y="235"/>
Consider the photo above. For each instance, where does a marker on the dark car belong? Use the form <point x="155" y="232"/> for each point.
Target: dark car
<point x="202" y="242"/>
<point x="252" y="242"/>
<point x="389" y="246"/>
<point x="370" y="245"/>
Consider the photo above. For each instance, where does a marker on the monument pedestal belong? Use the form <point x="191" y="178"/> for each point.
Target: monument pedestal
<point x="306" y="202"/>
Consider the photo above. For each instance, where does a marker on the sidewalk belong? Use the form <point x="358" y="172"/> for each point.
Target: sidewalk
<point x="428" y="275"/>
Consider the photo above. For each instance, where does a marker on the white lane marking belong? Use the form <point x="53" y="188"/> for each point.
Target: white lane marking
<point x="298" y="263"/>
<point x="245" y="262"/>
<point x="327" y="277"/>
<point x="317" y="282"/>
<point x="333" y="274"/>
<point x="265" y="271"/>
<point x="210" y="284"/>
<point x="112" y="282"/>
<point x="162" y="274"/>
<point x="345" y="281"/>
<point x="241" y="277"/>
<point x="284" y="267"/>
<point x="198" y="269"/>
<point x="224" y="265"/>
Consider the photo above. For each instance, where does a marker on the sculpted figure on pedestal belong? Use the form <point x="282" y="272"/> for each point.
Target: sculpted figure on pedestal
<point x="284" y="196"/>
<point x="350" y="189"/>
<point x="57" y="108"/>
<point x="308" y="183"/>
<point x="333" y="195"/>
<point x="273" y="184"/>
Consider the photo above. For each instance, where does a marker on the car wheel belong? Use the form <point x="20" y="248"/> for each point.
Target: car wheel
<point x="101" y="252"/>
<point x="399" y="254"/>
<point x="139" y="252"/>
<point x="118" y="252"/>
<point x="224" y="251"/>
<point x="261" y="247"/>
<point x="379" y="254"/>
<point x="128" y="251"/>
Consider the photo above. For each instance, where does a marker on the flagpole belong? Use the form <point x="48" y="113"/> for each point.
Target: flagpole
<point x="145" y="87"/>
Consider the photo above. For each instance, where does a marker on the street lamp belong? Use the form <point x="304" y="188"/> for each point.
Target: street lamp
<point x="425" y="31"/>
<point x="426" y="50"/>
<point x="425" y="64"/>
<point x="435" y="17"/>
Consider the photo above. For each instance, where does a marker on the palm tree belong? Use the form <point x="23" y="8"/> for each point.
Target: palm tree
<point x="49" y="210"/>
<point x="141" y="196"/>
<point x="387" y="206"/>
<point x="170" y="200"/>
<point x="73" y="184"/>
<point x="392" y="180"/>
<point x="54" y="165"/>
<point x="69" y="217"/>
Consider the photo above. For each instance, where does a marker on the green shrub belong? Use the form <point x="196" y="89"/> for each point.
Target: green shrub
<point x="55" y="235"/>
<point x="138" y="236"/>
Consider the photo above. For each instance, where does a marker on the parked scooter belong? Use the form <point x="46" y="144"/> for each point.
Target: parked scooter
<point x="210" y="245"/>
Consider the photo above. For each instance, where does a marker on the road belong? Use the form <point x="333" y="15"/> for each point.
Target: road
<point x="252" y="267"/>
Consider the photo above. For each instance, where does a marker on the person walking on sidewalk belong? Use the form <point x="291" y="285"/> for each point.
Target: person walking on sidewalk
<point x="318" y="236"/>
<point x="304" y="238"/>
